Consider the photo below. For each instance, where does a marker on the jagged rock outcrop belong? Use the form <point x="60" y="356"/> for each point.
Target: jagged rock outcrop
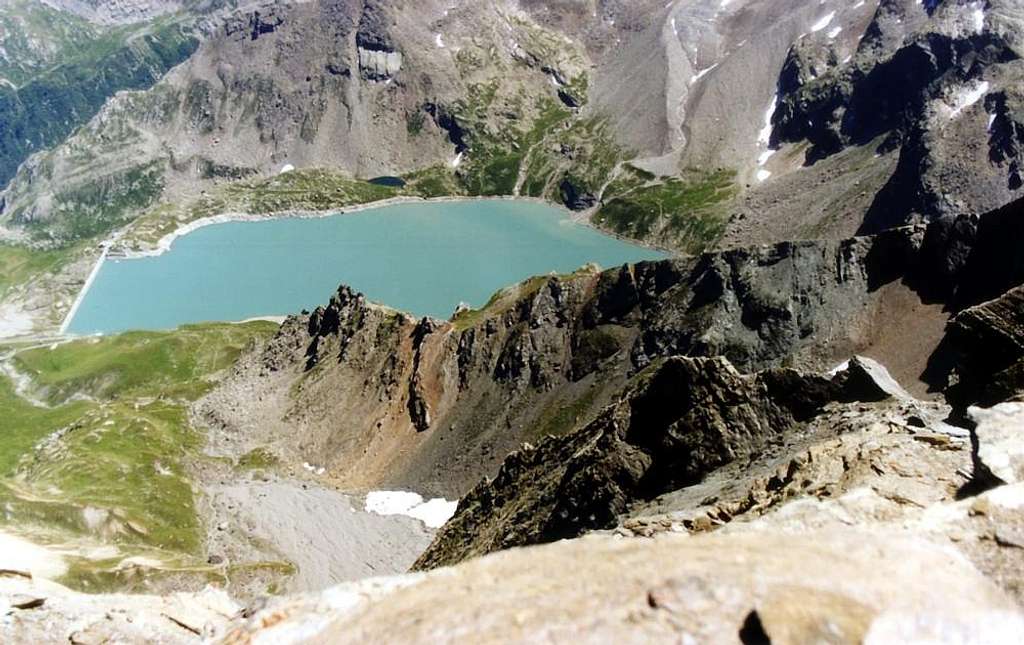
<point x="912" y="85"/>
<point x="987" y="347"/>
<point x="681" y="420"/>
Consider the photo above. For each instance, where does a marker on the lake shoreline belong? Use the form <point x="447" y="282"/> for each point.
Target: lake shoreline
<point x="164" y="244"/>
<point x="112" y="247"/>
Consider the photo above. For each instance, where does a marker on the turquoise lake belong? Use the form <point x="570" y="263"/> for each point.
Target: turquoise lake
<point x="423" y="258"/>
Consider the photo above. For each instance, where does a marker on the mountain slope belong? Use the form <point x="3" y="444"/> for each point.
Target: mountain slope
<point x="750" y="122"/>
<point x="57" y="71"/>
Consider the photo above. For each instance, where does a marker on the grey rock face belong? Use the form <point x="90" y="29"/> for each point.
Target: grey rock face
<point x="999" y="457"/>
<point x="378" y="58"/>
<point x="379" y="65"/>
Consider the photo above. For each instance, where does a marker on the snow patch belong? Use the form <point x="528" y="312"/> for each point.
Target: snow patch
<point x="699" y="75"/>
<point x="316" y="470"/>
<point x="978" y="17"/>
<point x="823" y="22"/>
<point x="434" y="513"/>
<point x="765" y="135"/>
<point x="439" y="41"/>
<point x="286" y="168"/>
<point x="967" y="97"/>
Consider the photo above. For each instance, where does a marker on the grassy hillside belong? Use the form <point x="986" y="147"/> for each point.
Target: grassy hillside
<point x="102" y="451"/>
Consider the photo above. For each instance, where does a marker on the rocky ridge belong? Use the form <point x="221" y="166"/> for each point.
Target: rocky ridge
<point x="441" y="403"/>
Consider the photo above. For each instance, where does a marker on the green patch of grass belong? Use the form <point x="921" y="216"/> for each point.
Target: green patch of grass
<point x="414" y="122"/>
<point x="563" y="416"/>
<point x="19" y="264"/>
<point x="170" y="365"/>
<point x="436" y="181"/>
<point x="593" y="155"/>
<point x="112" y="462"/>
<point x="684" y="211"/>
<point x="258" y="458"/>
<point x="94" y="209"/>
<point x="630" y="178"/>
<point x="312" y="190"/>
<point x="24" y="424"/>
<point x="494" y="159"/>
<point x="117" y="470"/>
<point x="502" y="299"/>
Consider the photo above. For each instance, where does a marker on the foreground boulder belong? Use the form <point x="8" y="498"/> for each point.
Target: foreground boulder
<point x="986" y="343"/>
<point x="39" y="611"/>
<point x="835" y="586"/>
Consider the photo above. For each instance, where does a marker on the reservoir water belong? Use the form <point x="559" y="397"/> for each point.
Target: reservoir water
<point x="424" y="258"/>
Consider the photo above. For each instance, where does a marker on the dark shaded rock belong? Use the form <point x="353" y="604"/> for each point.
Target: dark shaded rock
<point x="373" y="33"/>
<point x="260" y="24"/>
<point x="448" y="122"/>
<point x="575" y="196"/>
<point x="419" y="409"/>
<point x="678" y="421"/>
<point x="568" y="99"/>
<point x="987" y="344"/>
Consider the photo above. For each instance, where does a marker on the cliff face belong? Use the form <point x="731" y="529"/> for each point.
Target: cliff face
<point x="384" y="400"/>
